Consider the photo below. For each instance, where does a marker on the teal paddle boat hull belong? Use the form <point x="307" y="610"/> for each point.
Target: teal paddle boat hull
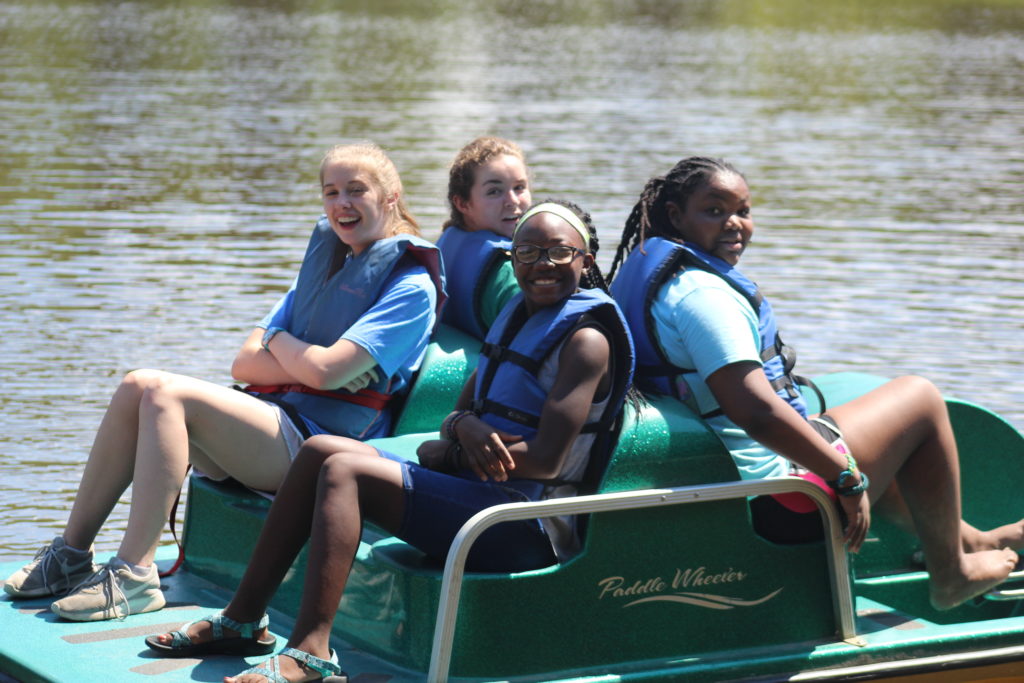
<point x="673" y="584"/>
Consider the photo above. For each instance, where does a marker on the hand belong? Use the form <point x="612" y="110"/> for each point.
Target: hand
<point x="858" y="519"/>
<point x="484" y="448"/>
<point x="431" y="453"/>
<point x="361" y="382"/>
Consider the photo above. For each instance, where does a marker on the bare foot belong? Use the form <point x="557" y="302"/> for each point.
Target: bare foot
<point x="977" y="573"/>
<point x="1007" y="536"/>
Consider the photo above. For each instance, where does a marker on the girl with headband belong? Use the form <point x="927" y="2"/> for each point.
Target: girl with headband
<point x="556" y="347"/>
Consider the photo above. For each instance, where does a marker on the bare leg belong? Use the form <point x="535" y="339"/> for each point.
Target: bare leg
<point x="901" y="432"/>
<point x="894" y="508"/>
<point x="154" y="421"/>
<point x="111" y="464"/>
<point x="329" y="487"/>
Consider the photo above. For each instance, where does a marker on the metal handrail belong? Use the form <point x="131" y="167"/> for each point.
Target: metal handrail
<point x="454" y="568"/>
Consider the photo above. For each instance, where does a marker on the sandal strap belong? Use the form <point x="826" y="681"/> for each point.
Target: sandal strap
<point x="218" y="621"/>
<point x="271" y="673"/>
<point x="180" y="638"/>
<point x="323" y="667"/>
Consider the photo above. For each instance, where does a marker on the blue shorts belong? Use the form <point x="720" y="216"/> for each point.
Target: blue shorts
<point x="437" y="505"/>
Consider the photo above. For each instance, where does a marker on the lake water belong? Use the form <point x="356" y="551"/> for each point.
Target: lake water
<point x="158" y="174"/>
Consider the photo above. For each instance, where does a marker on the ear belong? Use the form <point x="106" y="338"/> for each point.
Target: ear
<point x="675" y="215"/>
<point x="460" y="204"/>
<point x="588" y="261"/>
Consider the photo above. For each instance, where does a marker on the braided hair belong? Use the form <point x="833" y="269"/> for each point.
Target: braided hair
<point x="649" y="217"/>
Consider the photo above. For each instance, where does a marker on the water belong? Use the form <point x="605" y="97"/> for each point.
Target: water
<point x="158" y="174"/>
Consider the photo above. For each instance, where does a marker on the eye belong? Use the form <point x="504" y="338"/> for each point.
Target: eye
<point x="715" y="211"/>
<point x="494" y="192"/>
<point x="330" y="193"/>
<point x="561" y="254"/>
<point x="526" y="253"/>
<point x="744" y="212"/>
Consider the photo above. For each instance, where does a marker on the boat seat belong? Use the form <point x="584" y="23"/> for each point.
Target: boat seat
<point x="694" y="564"/>
<point x="449" y="361"/>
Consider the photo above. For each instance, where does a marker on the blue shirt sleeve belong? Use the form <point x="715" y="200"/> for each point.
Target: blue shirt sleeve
<point x="397" y="328"/>
<point x="703" y="323"/>
<point x="281" y="314"/>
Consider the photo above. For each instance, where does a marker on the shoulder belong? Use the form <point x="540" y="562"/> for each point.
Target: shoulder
<point x="587" y="350"/>
<point x="410" y="276"/>
<point x="696" y="289"/>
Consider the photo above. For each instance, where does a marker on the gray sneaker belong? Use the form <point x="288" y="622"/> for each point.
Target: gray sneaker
<point x="113" y="592"/>
<point x="55" y="570"/>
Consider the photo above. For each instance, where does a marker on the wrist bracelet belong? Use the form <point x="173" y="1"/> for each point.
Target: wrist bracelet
<point x="448" y="426"/>
<point x="853" y="489"/>
<point x="455" y="422"/>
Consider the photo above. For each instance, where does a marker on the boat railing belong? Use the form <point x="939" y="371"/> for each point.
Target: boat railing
<point x="454" y="569"/>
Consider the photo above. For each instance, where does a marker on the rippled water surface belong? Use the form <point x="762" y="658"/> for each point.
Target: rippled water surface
<point x="158" y="174"/>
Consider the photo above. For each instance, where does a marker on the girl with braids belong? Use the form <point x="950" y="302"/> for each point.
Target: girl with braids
<point x="554" y="347"/>
<point x="706" y="335"/>
<point x="488" y="190"/>
<point x="348" y="334"/>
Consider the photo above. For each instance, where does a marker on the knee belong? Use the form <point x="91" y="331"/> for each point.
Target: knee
<point x="339" y="469"/>
<point x="919" y="391"/>
<point x="316" y="449"/>
<point x="142" y="384"/>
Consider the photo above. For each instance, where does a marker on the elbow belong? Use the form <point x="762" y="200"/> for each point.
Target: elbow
<point x="238" y="369"/>
<point x="755" y="422"/>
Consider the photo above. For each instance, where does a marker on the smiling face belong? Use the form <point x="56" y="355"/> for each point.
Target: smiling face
<point x="545" y="283"/>
<point x="716" y="217"/>
<point x="499" y="196"/>
<point x="355" y="205"/>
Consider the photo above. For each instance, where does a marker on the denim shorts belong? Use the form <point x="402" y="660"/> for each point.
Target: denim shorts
<point x="437" y="505"/>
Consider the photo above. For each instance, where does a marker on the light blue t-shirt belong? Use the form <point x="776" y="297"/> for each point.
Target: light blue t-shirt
<point x="703" y="323"/>
<point x="395" y="330"/>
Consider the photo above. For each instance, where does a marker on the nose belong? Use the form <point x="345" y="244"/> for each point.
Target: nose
<point x="510" y="198"/>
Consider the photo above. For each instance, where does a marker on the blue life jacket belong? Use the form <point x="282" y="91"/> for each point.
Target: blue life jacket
<point x="642" y="274"/>
<point x="508" y="395"/>
<point x="323" y="308"/>
<point x="469" y="257"/>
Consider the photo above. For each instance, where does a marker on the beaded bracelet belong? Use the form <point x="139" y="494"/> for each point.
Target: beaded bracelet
<point x="851" y="470"/>
<point x="448" y="426"/>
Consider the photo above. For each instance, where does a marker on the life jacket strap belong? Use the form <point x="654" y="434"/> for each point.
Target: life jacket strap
<point x="501" y="354"/>
<point x="368" y="398"/>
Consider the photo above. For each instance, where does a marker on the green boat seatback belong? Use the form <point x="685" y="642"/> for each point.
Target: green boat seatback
<point x="449" y="361"/>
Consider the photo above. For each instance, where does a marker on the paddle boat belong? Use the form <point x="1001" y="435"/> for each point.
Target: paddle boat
<point x="672" y="584"/>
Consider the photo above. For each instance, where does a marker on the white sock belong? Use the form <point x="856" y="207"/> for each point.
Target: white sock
<point x="135" y="569"/>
